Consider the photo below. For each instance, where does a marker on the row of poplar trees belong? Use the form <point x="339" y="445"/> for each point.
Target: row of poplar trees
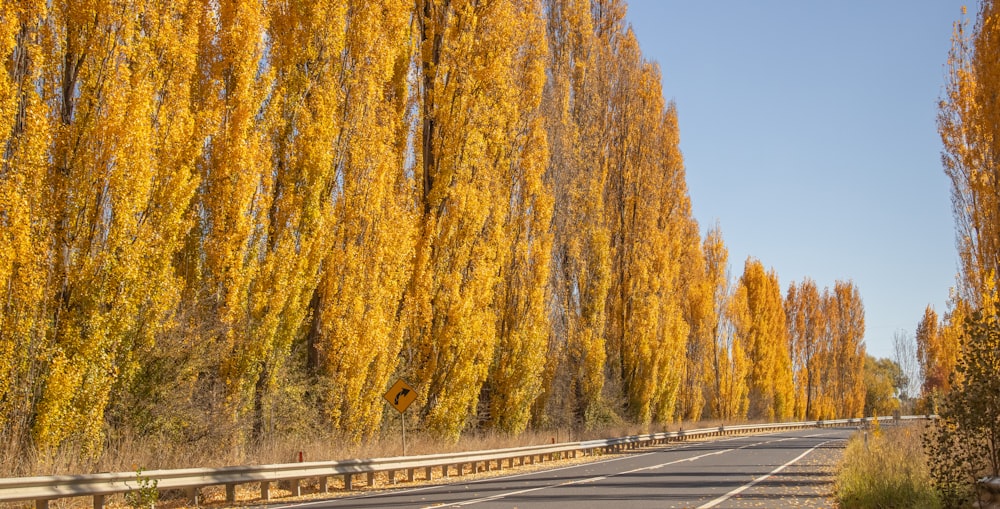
<point x="217" y="216"/>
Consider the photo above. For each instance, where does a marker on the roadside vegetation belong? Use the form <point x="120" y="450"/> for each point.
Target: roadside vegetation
<point x="886" y="468"/>
<point x="229" y="225"/>
<point x="129" y="453"/>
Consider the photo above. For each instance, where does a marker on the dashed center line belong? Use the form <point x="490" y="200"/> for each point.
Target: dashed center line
<point x="499" y="496"/>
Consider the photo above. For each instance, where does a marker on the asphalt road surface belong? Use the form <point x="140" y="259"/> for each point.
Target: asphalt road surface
<point x="786" y="469"/>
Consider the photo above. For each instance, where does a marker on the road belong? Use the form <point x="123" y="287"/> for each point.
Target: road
<point x="787" y="469"/>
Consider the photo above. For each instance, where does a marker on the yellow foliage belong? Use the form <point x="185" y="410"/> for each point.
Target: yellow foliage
<point x="311" y="198"/>
<point x="762" y="330"/>
<point x="806" y="323"/>
<point x="966" y="120"/>
<point x="358" y="334"/>
<point x="515" y="379"/>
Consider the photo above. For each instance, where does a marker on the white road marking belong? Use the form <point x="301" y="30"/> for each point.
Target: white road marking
<point x="750" y="484"/>
<point x="499" y="496"/>
<point x="519" y="492"/>
<point x="524" y="474"/>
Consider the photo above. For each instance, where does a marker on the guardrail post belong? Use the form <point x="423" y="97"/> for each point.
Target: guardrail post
<point x="411" y="474"/>
<point x="265" y="490"/>
<point x="295" y="487"/>
<point x="41" y="504"/>
<point x="444" y="470"/>
<point x="371" y="479"/>
<point x="348" y="485"/>
<point x="392" y="476"/>
<point x="99" y="502"/>
<point x="230" y="493"/>
<point x="428" y="474"/>
<point x="324" y="484"/>
<point x="192" y="494"/>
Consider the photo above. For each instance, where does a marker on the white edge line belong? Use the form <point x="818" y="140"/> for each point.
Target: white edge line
<point x="512" y="476"/>
<point x="439" y="484"/>
<point x="500" y="496"/>
<point x="750" y="484"/>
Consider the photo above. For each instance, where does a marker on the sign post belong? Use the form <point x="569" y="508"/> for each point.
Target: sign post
<point x="400" y="395"/>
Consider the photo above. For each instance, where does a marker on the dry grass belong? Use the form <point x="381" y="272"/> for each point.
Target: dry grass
<point x="127" y="453"/>
<point x="886" y="470"/>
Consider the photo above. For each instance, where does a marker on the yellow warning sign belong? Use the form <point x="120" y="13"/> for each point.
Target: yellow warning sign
<point x="400" y="395"/>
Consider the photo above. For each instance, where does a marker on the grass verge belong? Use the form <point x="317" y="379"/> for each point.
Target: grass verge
<point x="888" y="469"/>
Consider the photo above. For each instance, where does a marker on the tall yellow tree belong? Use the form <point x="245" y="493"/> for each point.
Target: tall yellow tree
<point x="360" y="93"/>
<point x="806" y="323"/>
<point x="647" y="204"/>
<point x="966" y="116"/>
<point x="574" y="380"/>
<point x="762" y="329"/>
<point x="699" y="314"/>
<point x="471" y="107"/>
<point x="246" y="207"/>
<point x="516" y="376"/>
<point x="938" y="350"/>
<point x="847" y="325"/>
<point x="119" y="176"/>
<point x="929" y="355"/>
<point x="733" y="396"/>
<point x="24" y="223"/>
<point x="728" y="365"/>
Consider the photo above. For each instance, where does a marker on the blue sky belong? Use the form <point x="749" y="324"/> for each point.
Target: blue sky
<point x="808" y="131"/>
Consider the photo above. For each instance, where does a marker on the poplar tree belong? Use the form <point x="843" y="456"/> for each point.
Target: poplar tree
<point x="929" y="354"/>
<point x="761" y="327"/>
<point x="734" y="362"/>
<point x="358" y="89"/>
<point x="848" y="349"/>
<point x="806" y="323"/>
<point x="110" y="157"/>
<point x="699" y="314"/>
<point x="24" y="225"/>
<point x="516" y="376"/>
<point x="471" y="108"/>
<point x="580" y="276"/>
<point x="966" y="115"/>
<point x="649" y="213"/>
<point x="234" y="237"/>
<point x="717" y="279"/>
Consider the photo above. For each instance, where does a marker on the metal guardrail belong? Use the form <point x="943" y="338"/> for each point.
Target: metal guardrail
<point x="43" y="489"/>
<point x="988" y="492"/>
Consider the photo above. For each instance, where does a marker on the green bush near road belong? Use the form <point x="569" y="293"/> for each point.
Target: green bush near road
<point x="886" y="470"/>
